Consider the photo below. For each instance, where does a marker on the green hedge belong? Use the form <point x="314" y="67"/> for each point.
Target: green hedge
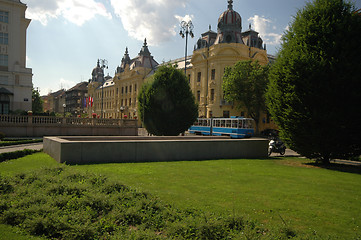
<point x="16" y="154"/>
<point x="11" y="142"/>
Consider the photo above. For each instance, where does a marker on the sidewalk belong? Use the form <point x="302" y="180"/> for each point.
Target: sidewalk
<point x="32" y="146"/>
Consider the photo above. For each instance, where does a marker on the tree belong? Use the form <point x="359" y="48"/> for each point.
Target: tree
<point x="245" y="83"/>
<point x="314" y="92"/>
<point x="166" y="103"/>
<point x="37" y="102"/>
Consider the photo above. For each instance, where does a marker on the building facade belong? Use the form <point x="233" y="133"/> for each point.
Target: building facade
<point x="117" y="97"/>
<point x="75" y="99"/>
<point x="216" y="51"/>
<point x="15" y="79"/>
<point x="54" y="102"/>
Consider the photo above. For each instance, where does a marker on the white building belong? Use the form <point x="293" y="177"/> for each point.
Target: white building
<point x="15" y="78"/>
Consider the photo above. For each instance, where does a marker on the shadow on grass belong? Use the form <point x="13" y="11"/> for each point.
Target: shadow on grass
<point x="341" y="167"/>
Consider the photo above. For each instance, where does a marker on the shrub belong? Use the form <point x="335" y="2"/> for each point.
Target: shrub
<point x="16" y="154"/>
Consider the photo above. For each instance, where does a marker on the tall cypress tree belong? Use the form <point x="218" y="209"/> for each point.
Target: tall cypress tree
<point x="166" y="103"/>
<point x="314" y="92"/>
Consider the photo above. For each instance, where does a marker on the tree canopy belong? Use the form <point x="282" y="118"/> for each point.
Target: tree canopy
<point x="166" y="103"/>
<point x="314" y="92"/>
<point x="245" y="83"/>
<point x="37" y="102"/>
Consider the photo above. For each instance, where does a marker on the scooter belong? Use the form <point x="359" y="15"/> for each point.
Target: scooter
<point x="277" y="146"/>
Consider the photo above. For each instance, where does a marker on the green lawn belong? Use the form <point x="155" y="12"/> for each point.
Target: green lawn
<point x="276" y="191"/>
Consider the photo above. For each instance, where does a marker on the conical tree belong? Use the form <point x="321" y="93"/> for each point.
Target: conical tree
<point x="166" y="103"/>
<point x="314" y="93"/>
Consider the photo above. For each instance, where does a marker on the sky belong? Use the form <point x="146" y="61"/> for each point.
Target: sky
<point x="66" y="37"/>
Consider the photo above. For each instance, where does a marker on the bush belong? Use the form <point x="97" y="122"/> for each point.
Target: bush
<point x="2" y="136"/>
<point x="17" y="154"/>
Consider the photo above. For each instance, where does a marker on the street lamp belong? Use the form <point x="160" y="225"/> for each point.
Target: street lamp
<point x="121" y="112"/>
<point x="103" y="65"/>
<point x="64" y="106"/>
<point x="186" y="28"/>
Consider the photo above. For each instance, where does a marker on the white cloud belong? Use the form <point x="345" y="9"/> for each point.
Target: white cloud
<point x="155" y="20"/>
<point x="66" y="84"/>
<point x="75" y="11"/>
<point x="263" y="26"/>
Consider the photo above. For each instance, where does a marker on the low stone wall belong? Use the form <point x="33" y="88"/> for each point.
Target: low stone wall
<point x="85" y="150"/>
<point x="39" y="126"/>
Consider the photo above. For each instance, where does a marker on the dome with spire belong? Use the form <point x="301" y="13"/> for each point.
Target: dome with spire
<point x="97" y="73"/>
<point x="229" y="26"/>
<point x="230" y="17"/>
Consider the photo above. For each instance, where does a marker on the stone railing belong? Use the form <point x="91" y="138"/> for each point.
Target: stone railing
<point x="13" y="125"/>
<point x="45" y="120"/>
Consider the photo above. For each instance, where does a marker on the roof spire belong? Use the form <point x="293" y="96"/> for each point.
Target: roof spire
<point x="230" y="4"/>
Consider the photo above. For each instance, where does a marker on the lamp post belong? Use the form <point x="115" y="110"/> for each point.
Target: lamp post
<point x="64" y="106"/>
<point x="121" y="112"/>
<point x="186" y="28"/>
<point x="103" y="65"/>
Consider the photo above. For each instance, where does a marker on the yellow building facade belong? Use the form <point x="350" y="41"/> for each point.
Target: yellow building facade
<point x="216" y="51"/>
<point x="117" y="97"/>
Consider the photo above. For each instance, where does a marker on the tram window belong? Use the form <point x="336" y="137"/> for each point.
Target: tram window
<point x="234" y="123"/>
<point x="228" y="123"/>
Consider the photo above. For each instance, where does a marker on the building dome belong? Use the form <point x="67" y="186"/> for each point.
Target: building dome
<point x="230" y="17"/>
<point x="97" y="73"/>
<point x="229" y="26"/>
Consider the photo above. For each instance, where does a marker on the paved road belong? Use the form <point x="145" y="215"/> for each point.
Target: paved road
<point x="32" y="146"/>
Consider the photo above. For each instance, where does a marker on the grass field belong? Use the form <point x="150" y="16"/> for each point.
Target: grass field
<point x="316" y="202"/>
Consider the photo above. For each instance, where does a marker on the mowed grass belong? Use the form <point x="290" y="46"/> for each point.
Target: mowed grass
<point x="315" y="202"/>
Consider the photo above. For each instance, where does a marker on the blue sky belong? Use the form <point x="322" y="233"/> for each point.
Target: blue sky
<point x="66" y="37"/>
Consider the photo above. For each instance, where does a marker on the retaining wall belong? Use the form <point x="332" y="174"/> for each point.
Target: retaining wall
<point x="85" y="150"/>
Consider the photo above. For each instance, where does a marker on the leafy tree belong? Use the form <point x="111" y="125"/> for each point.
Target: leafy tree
<point x="37" y="102"/>
<point x="246" y="83"/>
<point x="314" y="92"/>
<point x="166" y="103"/>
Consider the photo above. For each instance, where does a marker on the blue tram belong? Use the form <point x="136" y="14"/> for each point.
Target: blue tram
<point x="235" y="127"/>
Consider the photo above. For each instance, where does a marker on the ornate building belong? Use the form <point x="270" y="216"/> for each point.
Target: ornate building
<point x="15" y="79"/>
<point x="213" y="53"/>
<point x="118" y="96"/>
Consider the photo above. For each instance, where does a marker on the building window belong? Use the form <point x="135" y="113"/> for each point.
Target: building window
<point x="121" y="102"/>
<point x="210" y="114"/>
<point x="4" y="17"/>
<point x="212" y="94"/>
<point x="135" y="87"/>
<point x="4" y="38"/>
<point x="126" y="102"/>
<point x="226" y="114"/>
<point x="198" y="96"/>
<point x="122" y="90"/>
<point x="213" y="74"/>
<point x="199" y="77"/>
<point x="4" y="60"/>
<point x="130" y="88"/>
<point x="130" y="102"/>
<point x="126" y="89"/>
<point x="4" y="80"/>
<point x="189" y="78"/>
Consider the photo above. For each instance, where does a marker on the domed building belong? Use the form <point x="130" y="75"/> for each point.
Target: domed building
<point x="116" y="97"/>
<point x="213" y="53"/>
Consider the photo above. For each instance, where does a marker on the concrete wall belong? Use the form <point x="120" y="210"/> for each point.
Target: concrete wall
<point x="151" y="149"/>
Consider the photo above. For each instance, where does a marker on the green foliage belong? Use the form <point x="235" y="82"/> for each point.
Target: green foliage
<point x="10" y="142"/>
<point x="17" y="154"/>
<point x="37" y="102"/>
<point x="314" y="90"/>
<point x="64" y="203"/>
<point x="166" y="104"/>
<point x="2" y="136"/>
<point x="245" y="83"/>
